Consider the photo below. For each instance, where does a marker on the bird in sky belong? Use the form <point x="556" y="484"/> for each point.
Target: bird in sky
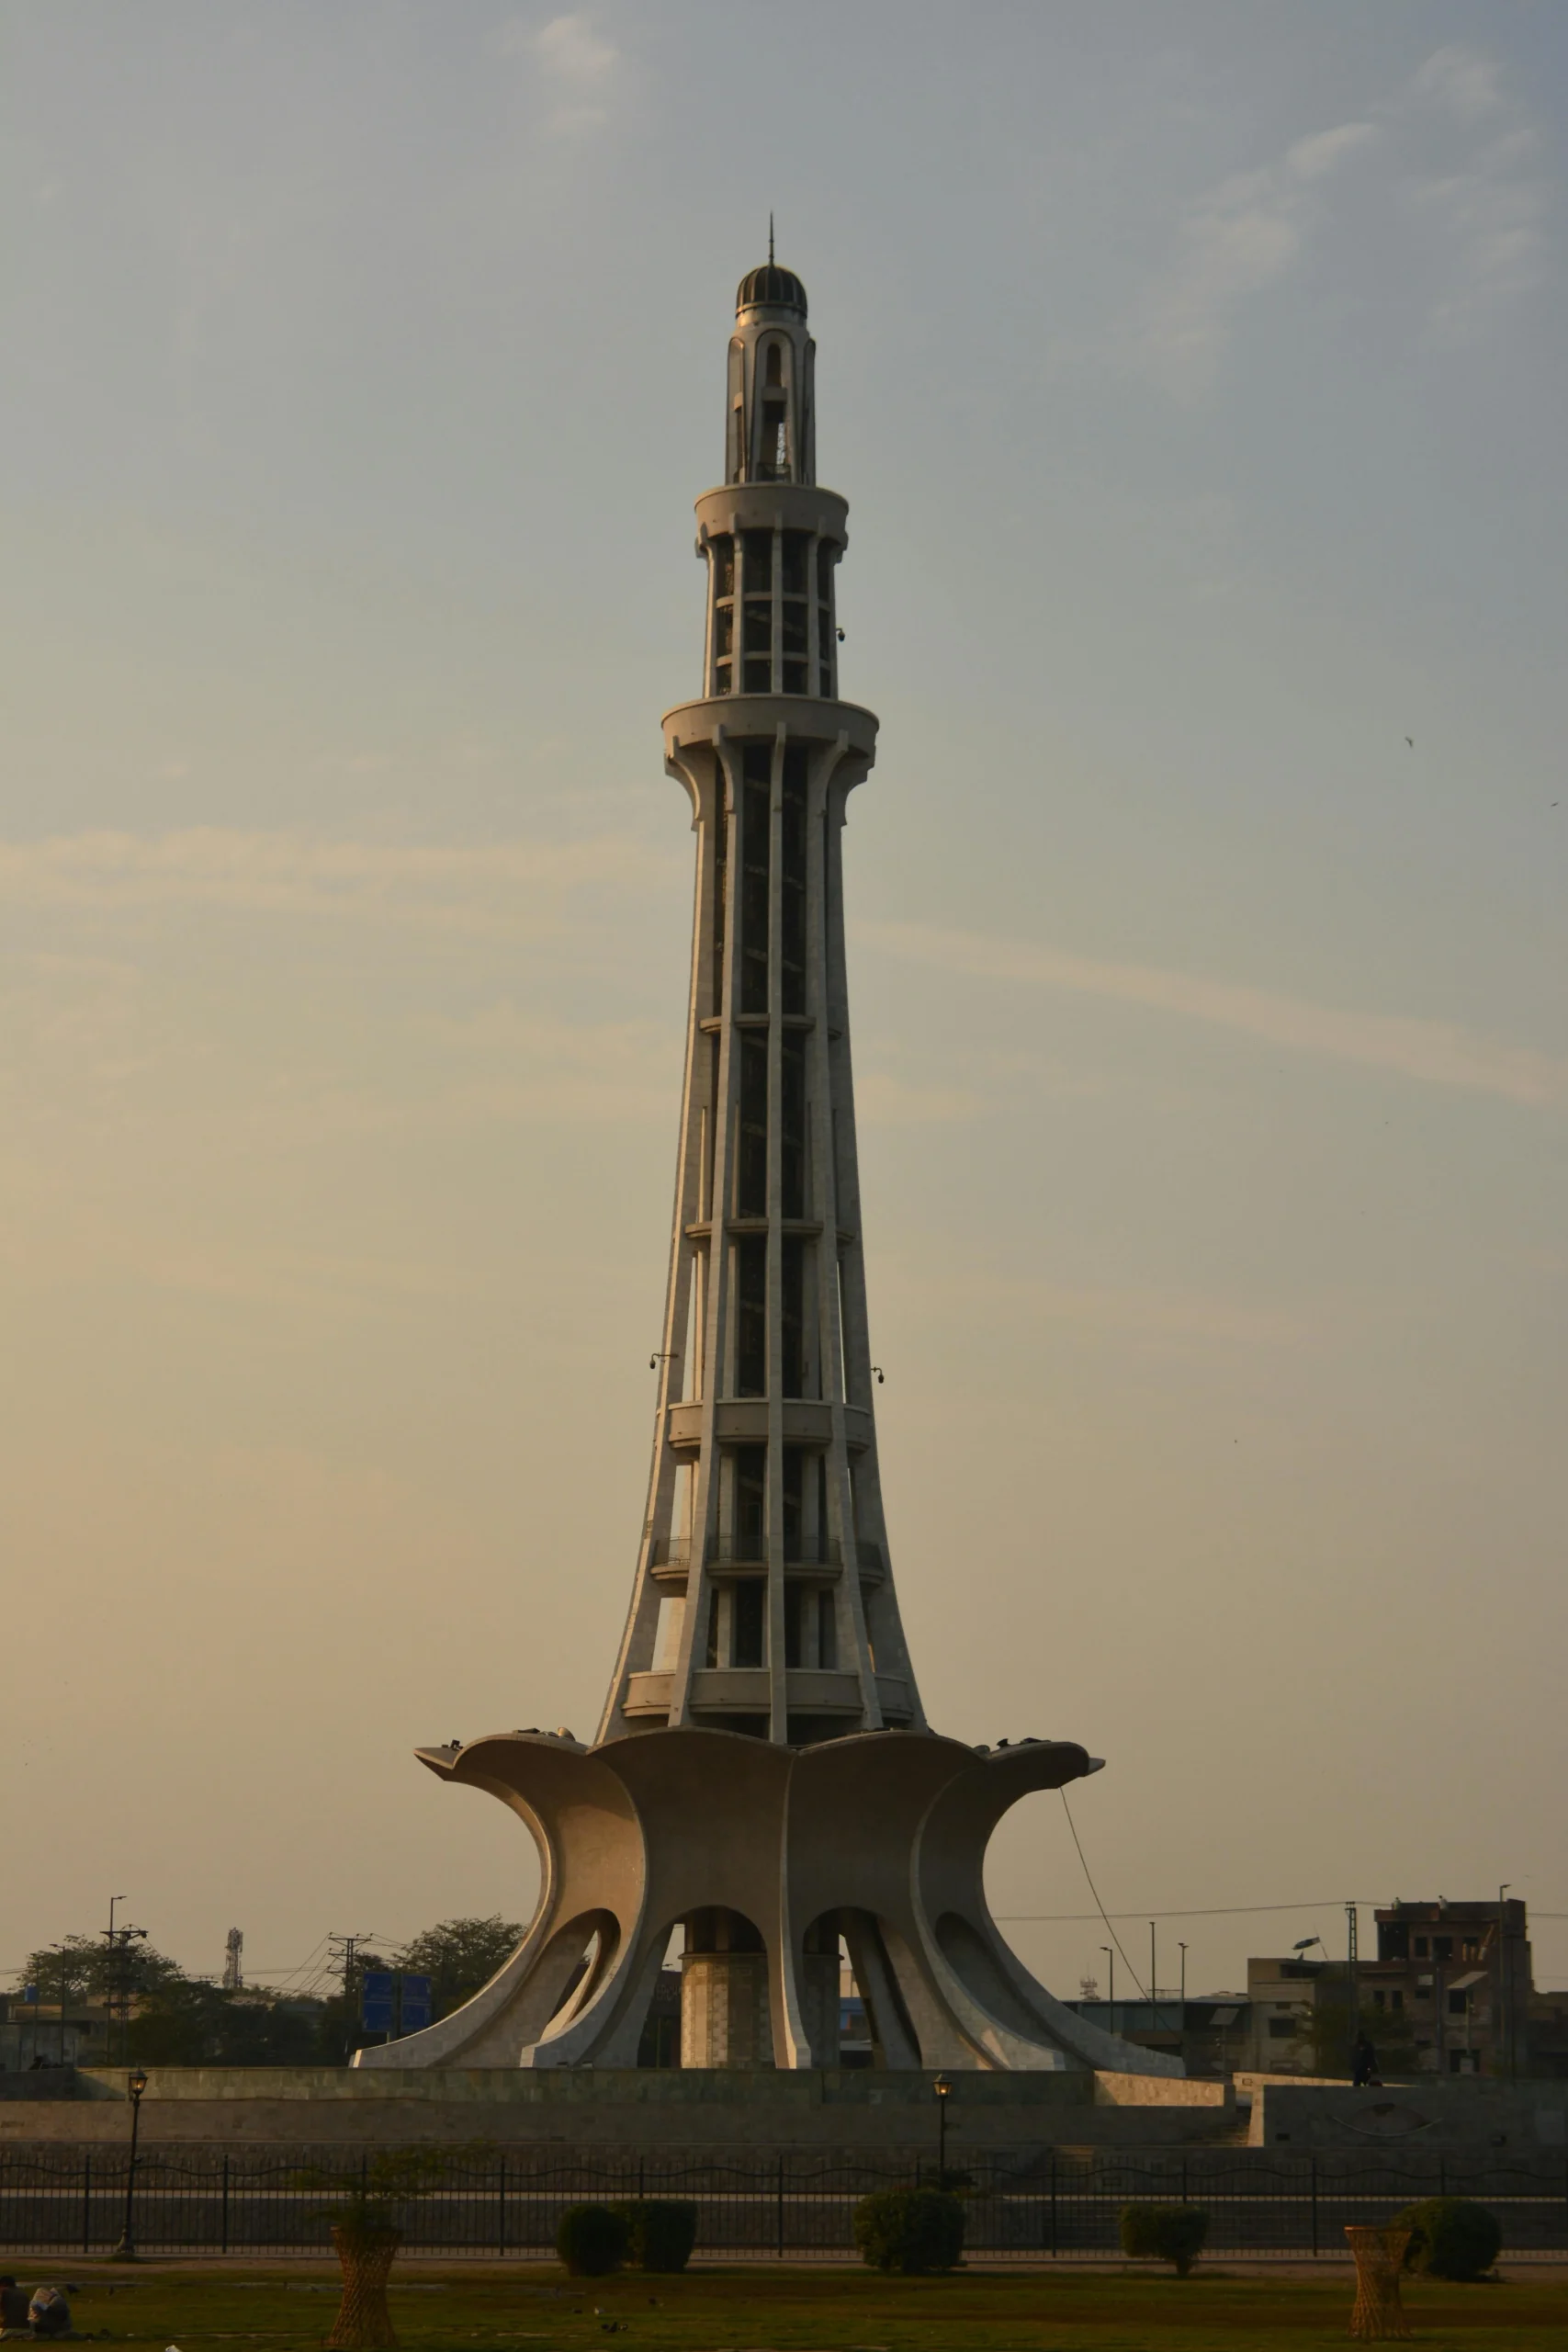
<point x="1410" y="741"/>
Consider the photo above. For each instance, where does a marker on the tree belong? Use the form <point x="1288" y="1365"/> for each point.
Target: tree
<point x="1325" y="2034"/>
<point x="81" y="1968"/>
<point x="459" y="1956"/>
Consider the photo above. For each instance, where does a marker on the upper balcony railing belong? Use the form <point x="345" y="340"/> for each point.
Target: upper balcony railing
<point x="733" y="1552"/>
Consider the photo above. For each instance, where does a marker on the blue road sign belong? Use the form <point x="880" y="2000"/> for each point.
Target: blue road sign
<point x="413" y="2013"/>
<point x="377" y="2000"/>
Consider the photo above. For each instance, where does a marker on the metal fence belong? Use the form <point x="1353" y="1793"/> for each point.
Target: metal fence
<point x="1019" y="2203"/>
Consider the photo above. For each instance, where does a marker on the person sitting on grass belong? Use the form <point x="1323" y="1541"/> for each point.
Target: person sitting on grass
<point x="13" y="2307"/>
<point x="48" y="2313"/>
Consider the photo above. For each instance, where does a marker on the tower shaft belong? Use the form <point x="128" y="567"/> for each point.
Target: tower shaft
<point x="763" y="1600"/>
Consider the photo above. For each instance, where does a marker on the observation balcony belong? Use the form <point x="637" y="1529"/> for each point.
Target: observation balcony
<point x="719" y="1691"/>
<point x="743" y="1421"/>
<point x="815" y="1557"/>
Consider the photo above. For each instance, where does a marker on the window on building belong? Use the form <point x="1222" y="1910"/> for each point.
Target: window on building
<point x="827" y="1635"/>
<point x="710" y="1644"/>
<point x="792" y="1140"/>
<point x="720" y="904"/>
<point x="721" y="553"/>
<point x="773" y="374"/>
<point x="724" y="629"/>
<point x="774" y="465"/>
<point x="1442" y="1947"/>
<point x="756" y="854"/>
<point x="749" y="1608"/>
<point x="792" y="909"/>
<point x="1282" y="2029"/>
<point x="1420" y="1950"/>
<point x="722" y="678"/>
<point x="750" y="1502"/>
<point x="791" y="1313"/>
<point x="1457" y="2002"/>
<point x="751" y="1315"/>
<point x="1380" y="2000"/>
<point x="757" y="546"/>
<point x="1396" y="2000"/>
<point x="794" y="1606"/>
<point x="758" y="674"/>
<point x="752" y="1154"/>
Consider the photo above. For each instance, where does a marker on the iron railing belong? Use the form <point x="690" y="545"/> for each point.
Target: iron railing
<point x="1019" y="2203"/>
<point x="737" y="1552"/>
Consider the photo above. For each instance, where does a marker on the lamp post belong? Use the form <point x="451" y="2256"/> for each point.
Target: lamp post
<point x="1109" y="1952"/>
<point x="943" y="2090"/>
<point x="1181" y="2026"/>
<point x="136" y="2083"/>
<point x="1501" y="2030"/>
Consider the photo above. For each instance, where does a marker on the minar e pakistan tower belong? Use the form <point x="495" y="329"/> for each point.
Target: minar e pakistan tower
<point x="763" y="1777"/>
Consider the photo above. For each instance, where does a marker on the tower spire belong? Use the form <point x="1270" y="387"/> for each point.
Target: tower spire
<point x="770" y="241"/>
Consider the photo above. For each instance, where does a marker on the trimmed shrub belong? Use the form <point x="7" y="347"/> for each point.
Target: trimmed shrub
<point x="912" y="2230"/>
<point x="1165" y="2233"/>
<point x="592" y="2240"/>
<point x="661" y="2233"/>
<point x="1451" y="2237"/>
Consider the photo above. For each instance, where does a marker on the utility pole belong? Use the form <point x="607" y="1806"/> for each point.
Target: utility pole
<point x="1505" y="2021"/>
<point x="116" y="1976"/>
<point x="1352" y="1958"/>
<point x="1182" y="1996"/>
<point x="1154" y="1983"/>
<point x="1109" y="1952"/>
<point x="344" y="1956"/>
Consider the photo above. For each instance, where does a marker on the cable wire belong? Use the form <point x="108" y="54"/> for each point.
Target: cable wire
<point x="1099" y="1906"/>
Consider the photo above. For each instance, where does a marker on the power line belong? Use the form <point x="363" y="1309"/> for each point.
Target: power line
<point x="1223" y="1911"/>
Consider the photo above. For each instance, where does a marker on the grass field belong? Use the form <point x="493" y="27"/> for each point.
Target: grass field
<point x="748" y="2309"/>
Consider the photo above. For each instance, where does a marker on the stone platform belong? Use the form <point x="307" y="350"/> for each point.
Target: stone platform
<point x="855" y="2109"/>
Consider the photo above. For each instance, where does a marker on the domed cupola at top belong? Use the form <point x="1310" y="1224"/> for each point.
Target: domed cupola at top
<point x="771" y="434"/>
<point x="770" y="287"/>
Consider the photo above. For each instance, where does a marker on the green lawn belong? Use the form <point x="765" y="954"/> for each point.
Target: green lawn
<point x="751" y="2309"/>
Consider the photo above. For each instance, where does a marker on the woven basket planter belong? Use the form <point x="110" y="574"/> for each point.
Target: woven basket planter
<point x="365" y="2256"/>
<point x="1379" y="2316"/>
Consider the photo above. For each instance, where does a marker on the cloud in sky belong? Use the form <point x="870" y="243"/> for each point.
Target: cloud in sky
<point x="471" y="886"/>
<point x="1434" y="1052"/>
<point x="576" y="62"/>
<point x="1486" y="201"/>
<point x="1235" y="239"/>
<point x="1489" y="209"/>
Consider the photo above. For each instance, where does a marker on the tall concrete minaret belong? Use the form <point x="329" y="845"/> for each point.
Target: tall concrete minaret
<point x="763" y="1779"/>
<point x="763" y="1599"/>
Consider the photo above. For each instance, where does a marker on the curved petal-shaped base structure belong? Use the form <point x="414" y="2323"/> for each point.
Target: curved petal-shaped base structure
<point x="880" y="1836"/>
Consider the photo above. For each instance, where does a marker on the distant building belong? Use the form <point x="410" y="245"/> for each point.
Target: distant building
<point x="1461" y="1972"/>
<point x="1448" y="1992"/>
<point x="39" y="2033"/>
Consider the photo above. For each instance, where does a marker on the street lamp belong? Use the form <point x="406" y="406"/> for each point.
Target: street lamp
<point x="136" y="2083"/>
<point x="1181" y="2027"/>
<point x="943" y="2090"/>
<point x="1109" y="1952"/>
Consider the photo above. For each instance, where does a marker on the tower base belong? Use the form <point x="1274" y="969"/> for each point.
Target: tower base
<point x="880" y="1836"/>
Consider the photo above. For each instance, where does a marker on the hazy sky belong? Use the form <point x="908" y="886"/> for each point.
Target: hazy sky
<point x="1196" y="373"/>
